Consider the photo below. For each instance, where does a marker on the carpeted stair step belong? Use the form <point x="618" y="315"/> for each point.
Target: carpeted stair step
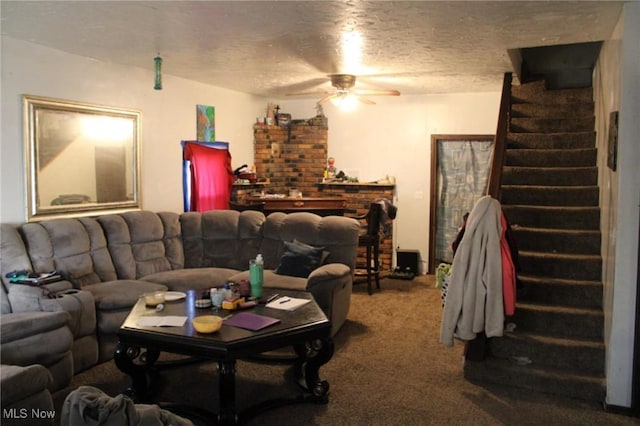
<point x="551" y="125"/>
<point x="556" y="140"/>
<point x="566" y="110"/>
<point x="568" y="266"/>
<point x="541" y="350"/>
<point x="553" y="216"/>
<point x="549" y="195"/>
<point x="559" y="292"/>
<point x="557" y="240"/>
<point x="549" y="176"/>
<point x="577" y="157"/>
<point x="560" y="321"/>
<point x="537" y="93"/>
<point x="535" y="378"/>
<point x="530" y="87"/>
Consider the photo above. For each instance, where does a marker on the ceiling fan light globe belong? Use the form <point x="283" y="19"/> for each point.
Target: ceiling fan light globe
<point x="345" y="101"/>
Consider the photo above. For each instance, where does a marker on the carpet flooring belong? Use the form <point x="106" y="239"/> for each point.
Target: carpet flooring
<point x="388" y="369"/>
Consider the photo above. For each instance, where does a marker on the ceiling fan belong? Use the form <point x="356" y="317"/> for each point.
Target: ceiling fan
<point x="344" y="94"/>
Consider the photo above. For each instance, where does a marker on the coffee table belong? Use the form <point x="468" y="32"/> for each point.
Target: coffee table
<point x="306" y="329"/>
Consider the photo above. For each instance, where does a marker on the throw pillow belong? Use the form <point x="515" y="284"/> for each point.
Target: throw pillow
<point x="325" y="253"/>
<point x="299" y="259"/>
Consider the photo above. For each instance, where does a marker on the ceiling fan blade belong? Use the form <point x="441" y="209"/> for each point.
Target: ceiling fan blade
<point x="377" y="92"/>
<point x="326" y="98"/>
<point x="315" y="93"/>
<point x="308" y="85"/>
<point x="365" y="100"/>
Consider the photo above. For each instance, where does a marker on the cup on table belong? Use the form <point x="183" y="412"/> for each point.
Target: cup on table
<point x="217" y="297"/>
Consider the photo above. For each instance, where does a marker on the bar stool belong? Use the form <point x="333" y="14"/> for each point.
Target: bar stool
<point x="370" y="239"/>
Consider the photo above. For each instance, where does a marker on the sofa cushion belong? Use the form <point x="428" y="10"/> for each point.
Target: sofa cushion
<point x="172" y="239"/>
<point x="102" y="262"/>
<point x="5" y="306"/>
<point x="74" y="247"/>
<point x="195" y="278"/>
<point x="140" y="244"/>
<point x="27" y="298"/>
<point x="14" y="258"/>
<point x="337" y="234"/>
<point x="119" y="294"/>
<point x="221" y="238"/>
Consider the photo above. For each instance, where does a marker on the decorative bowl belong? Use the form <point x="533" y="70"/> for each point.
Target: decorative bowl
<point x="154" y="298"/>
<point x="207" y="323"/>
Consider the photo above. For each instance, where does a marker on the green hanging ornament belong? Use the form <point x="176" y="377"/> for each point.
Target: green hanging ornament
<point x="158" y="65"/>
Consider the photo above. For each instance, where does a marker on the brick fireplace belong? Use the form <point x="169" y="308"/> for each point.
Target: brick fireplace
<point x="290" y="157"/>
<point x="295" y="156"/>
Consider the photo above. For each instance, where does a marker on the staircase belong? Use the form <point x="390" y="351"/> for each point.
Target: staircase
<point x="549" y="194"/>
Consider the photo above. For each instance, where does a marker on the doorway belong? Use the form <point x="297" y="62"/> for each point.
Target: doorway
<point x="459" y="174"/>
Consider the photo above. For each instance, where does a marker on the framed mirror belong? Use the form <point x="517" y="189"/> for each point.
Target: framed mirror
<point x="81" y="159"/>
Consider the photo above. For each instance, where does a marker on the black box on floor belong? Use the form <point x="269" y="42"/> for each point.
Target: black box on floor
<point x="408" y="260"/>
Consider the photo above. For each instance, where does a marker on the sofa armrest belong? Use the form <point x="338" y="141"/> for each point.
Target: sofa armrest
<point x="21" y="383"/>
<point x="331" y="286"/>
<point x="327" y="274"/>
<point x="43" y="338"/>
<point x="25" y="298"/>
<point x="16" y="326"/>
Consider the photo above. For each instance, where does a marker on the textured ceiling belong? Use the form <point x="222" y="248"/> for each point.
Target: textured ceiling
<point x="270" y="48"/>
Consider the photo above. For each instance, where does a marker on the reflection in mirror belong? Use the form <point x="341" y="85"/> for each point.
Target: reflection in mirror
<point x="81" y="159"/>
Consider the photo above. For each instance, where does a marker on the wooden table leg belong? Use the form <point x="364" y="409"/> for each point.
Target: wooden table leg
<point x="227" y="388"/>
<point x="142" y="374"/>
<point x="314" y="355"/>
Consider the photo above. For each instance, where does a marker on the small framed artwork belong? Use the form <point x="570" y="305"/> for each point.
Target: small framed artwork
<point x="206" y="123"/>
<point x="612" y="145"/>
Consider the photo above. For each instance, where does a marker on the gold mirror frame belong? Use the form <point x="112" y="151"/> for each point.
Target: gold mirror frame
<point x="80" y="159"/>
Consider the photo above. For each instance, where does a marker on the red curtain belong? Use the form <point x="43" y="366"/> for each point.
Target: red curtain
<point x="211" y="176"/>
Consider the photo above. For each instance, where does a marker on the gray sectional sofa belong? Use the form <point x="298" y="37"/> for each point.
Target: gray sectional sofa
<point x="108" y="261"/>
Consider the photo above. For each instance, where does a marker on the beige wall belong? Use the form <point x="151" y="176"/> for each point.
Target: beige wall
<point x="168" y="116"/>
<point x="393" y="138"/>
<point x="616" y="88"/>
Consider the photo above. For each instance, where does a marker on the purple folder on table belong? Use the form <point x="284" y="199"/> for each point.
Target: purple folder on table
<point x="250" y="321"/>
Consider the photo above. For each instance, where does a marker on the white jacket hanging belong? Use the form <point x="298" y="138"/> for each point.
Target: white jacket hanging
<point x="474" y="298"/>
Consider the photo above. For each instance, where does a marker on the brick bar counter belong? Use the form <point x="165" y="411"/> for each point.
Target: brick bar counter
<point x="359" y="196"/>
